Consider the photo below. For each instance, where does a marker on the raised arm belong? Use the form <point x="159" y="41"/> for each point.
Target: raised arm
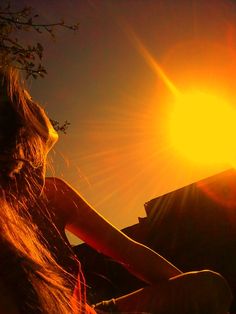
<point x="86" y="223"/>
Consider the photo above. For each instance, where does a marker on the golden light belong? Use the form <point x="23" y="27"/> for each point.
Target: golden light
<point x="201" y="125"/>
<point x="203" y="128"/>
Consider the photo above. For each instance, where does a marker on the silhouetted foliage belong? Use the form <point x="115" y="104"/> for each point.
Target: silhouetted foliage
<point x="26" y="57"/>
<point x="60" y="127"/>
<point x="14" y="51"/>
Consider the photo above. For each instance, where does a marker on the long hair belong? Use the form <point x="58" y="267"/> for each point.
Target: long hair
<point x="34" y="279"/>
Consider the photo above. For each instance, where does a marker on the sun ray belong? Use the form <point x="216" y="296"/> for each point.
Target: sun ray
<point x="152" y="62"/>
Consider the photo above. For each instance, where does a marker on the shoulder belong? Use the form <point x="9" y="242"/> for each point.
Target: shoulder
<point x="55" y="187"/>
<point x="54" y="182"/>
<point x="60" y="198"/>
<point x="53" y="196"/>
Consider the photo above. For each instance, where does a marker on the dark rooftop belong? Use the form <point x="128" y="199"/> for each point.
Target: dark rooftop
<point x="194" y="227"/>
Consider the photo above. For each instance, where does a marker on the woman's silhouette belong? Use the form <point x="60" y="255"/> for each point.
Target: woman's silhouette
<point x="38" y="271"/>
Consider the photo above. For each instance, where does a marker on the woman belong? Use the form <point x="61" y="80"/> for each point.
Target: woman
<point x="30" y="279"/>
<point x="38" y="269"/>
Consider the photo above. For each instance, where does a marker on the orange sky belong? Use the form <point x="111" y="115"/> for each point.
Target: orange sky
<point x="117" y="152"/>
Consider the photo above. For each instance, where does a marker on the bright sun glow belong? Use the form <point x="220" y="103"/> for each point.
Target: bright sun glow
<point x="203" y="128"/>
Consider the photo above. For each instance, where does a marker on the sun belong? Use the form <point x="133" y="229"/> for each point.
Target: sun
<point x="202" y="127"/>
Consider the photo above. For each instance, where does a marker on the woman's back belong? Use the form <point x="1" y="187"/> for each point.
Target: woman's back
<point x="52" y="235"/>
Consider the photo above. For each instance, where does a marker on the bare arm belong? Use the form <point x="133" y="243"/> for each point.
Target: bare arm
<point x="95" y="230"/>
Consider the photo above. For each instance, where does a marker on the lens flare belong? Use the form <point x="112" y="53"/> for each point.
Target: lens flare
<point x="202" y="126"/>
<point x="151" y="61"/>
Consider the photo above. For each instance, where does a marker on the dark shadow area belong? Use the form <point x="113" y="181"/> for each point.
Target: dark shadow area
<point x="193" y="227"/>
